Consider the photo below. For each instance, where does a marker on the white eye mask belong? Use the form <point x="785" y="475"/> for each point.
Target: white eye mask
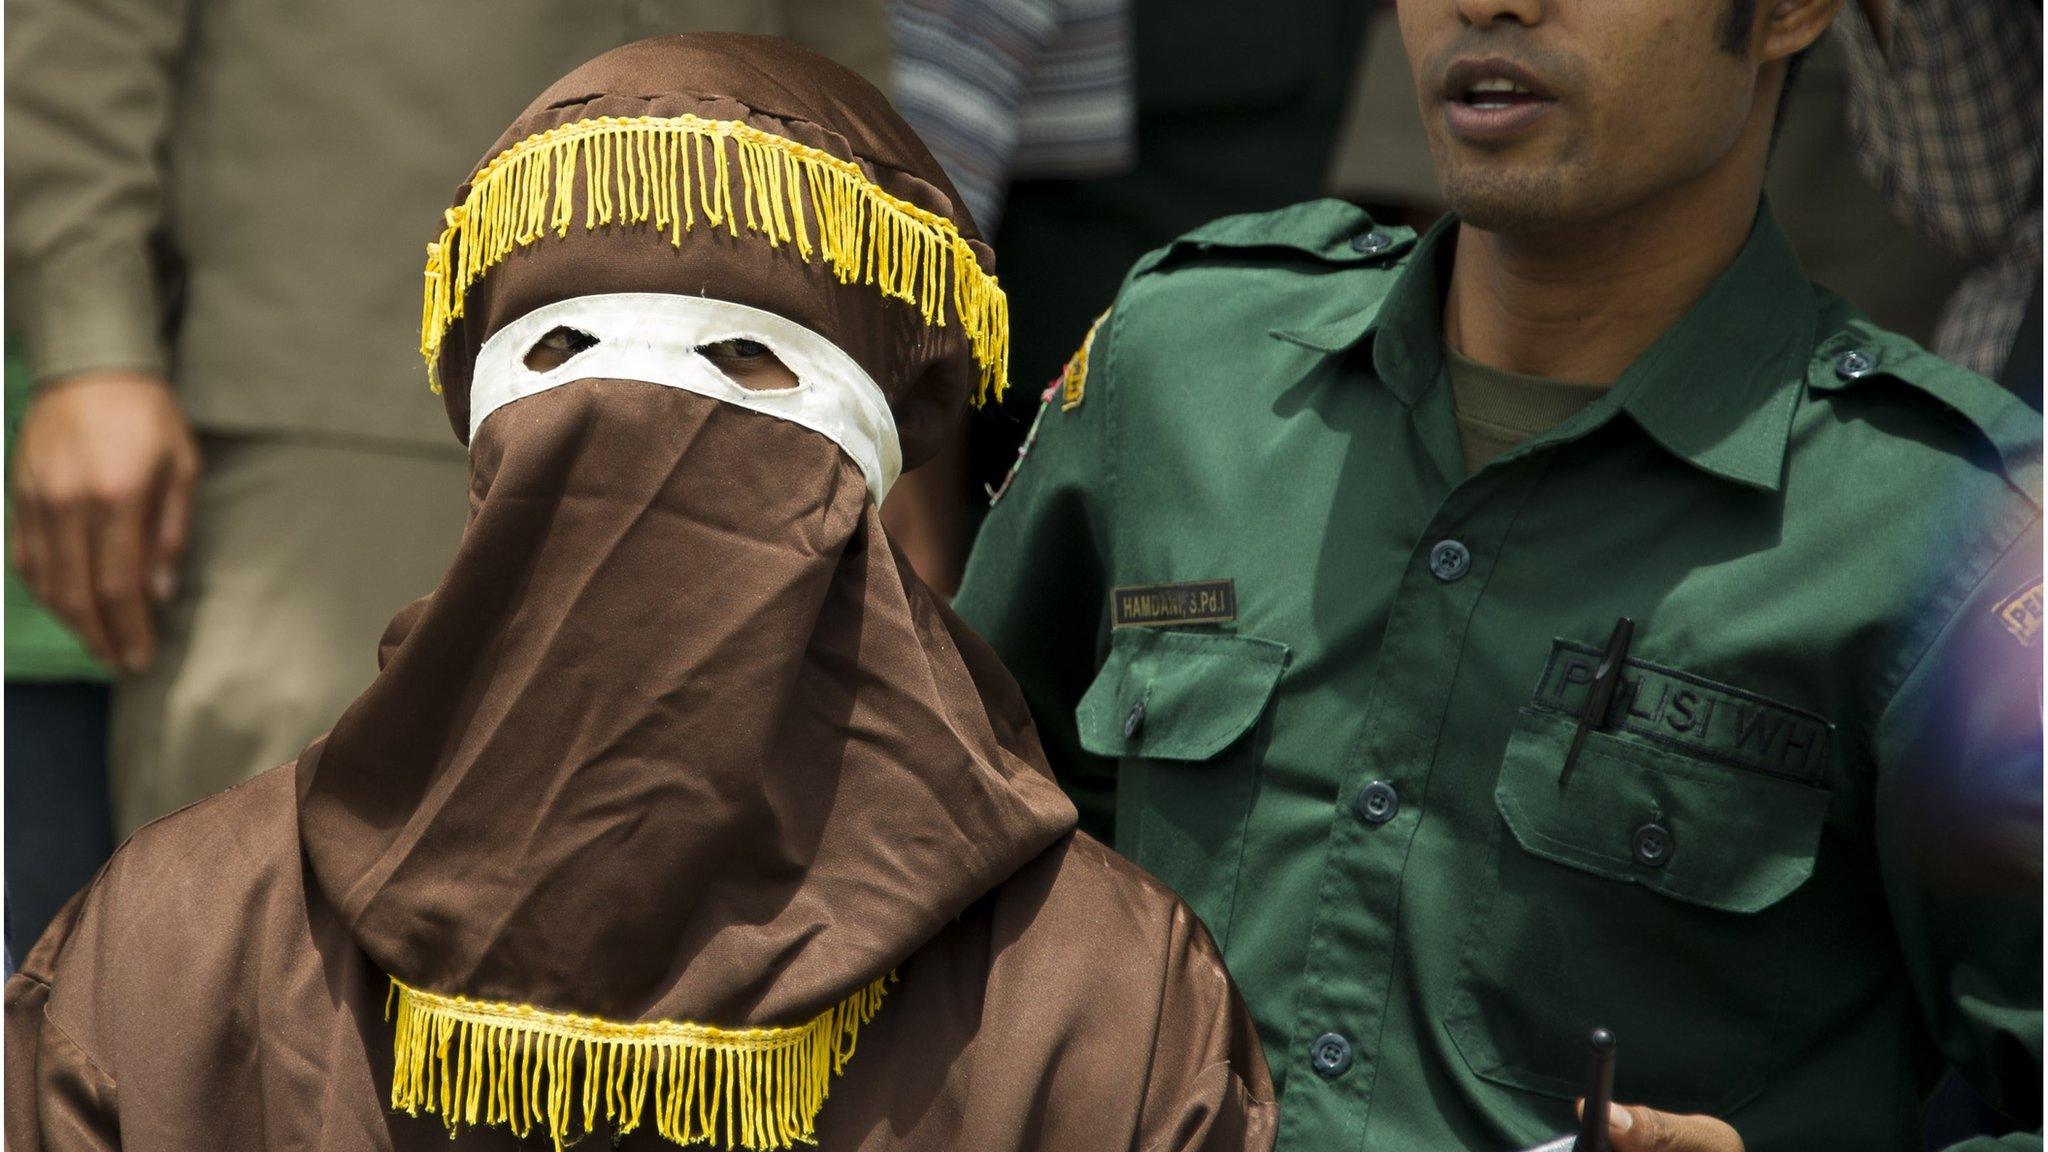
<point x="654" y="337"/>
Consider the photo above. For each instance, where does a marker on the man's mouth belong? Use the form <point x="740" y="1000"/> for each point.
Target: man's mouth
<point x="1496" y="92"/>
<point x="1492" y="100"/>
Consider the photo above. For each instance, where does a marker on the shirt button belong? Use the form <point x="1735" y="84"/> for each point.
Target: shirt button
<point x="1372" y="242"/>
<point x="1377" y="802"/>
<point x="1854" y="364"/>
<point x="1652" y="845"/>
<point x="1330" y="1056"/>
<point x="1134" y="721"/>
<point x="1449" y="561"/>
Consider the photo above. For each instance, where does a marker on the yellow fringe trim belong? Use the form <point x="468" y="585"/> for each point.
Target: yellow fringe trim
<point x="478" y="1061"/>
<point x="668" y="171"/>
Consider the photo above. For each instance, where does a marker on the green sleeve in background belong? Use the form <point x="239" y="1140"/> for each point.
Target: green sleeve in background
<point x="38" y="647"/>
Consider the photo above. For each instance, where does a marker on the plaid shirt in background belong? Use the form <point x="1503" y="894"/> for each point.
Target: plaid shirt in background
<point x="1011" y="89"/>
<point x="1947" y="118"/>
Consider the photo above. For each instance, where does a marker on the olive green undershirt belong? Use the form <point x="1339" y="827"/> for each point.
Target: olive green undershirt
<point x="1498" y="409"/>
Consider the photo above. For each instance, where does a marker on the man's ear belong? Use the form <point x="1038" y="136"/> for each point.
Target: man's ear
<point x="1790" y="27"/>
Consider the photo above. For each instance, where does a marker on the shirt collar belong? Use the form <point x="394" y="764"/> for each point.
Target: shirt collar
<point x="1718" y="390"/>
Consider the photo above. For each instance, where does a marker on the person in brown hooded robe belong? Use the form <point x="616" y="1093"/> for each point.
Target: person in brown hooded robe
<point x="679" y="805"/>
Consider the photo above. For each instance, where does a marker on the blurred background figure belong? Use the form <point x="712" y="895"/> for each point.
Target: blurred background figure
<point x="229" y="468"/>
<point x="1231" y="114"/>
<point x="1235" y="112"/>
<point x="1006" y="90"/>
<point x="58" y="828"/>
<point x="1946" y="114"/>
<point x="1002" y="91"/>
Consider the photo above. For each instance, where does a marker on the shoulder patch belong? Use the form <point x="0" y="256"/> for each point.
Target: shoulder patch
<point x="2020" y="613"/>
<point x="1073" y="381"/>
<point x="1070" y="387"/>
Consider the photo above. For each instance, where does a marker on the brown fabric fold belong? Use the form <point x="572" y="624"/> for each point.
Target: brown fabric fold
<point x="202" y="996"/>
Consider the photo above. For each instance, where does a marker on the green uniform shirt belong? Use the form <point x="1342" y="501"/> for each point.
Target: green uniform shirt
<point x="1797" y="867"/>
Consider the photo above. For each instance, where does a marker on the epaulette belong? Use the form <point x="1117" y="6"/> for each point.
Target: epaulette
<point x="1329" y="231"/>
<point x="1861" y="353"/>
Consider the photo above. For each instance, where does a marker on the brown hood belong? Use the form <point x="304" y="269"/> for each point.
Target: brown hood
<point x="679" y="737"/>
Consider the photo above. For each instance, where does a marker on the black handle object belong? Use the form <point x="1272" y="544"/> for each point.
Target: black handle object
<point x="1600" y="694"/>
<point x="1599" y="1094"/>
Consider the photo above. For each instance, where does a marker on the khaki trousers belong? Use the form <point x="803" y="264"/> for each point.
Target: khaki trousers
<point x="300" y="554"/>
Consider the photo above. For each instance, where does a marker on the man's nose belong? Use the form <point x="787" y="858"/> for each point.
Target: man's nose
<point x="1480" y="13"/>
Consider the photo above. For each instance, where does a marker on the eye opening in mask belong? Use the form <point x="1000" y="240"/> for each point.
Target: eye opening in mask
<point x="556" y="348"/>
<point x="750" y="364"/>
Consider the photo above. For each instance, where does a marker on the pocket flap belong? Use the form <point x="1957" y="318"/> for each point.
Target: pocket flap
<point x="1200" y="692"/>
<point x="1731" y="839"/>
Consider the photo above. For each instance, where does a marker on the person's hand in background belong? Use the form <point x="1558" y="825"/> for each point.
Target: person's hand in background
<point x="101" y="492"/>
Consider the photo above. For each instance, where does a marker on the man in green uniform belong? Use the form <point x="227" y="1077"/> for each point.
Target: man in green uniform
<point x="1570" y="617"/>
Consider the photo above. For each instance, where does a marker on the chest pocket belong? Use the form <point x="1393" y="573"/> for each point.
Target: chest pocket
<point x="1649" y="896"/>
<point x="1186" y="716"/>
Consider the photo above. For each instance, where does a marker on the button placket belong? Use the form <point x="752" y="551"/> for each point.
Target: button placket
<point x="1349" y="969"/>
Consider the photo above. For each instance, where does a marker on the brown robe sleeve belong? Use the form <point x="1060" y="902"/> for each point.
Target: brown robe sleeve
<point x="58" y="1098"/>
<point x="1209" y="1090"/>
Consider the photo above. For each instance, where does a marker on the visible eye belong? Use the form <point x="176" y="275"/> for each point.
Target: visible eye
<point x="750" y="364"/>
<point x="554" y="349"/>
<point x="741" y="349"/>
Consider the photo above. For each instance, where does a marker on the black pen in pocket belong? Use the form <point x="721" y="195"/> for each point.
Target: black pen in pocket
<point x="1599" y="1102"/>
<point x="1599" y="694"/>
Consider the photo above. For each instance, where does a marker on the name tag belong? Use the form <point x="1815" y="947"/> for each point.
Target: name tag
<point x="1696" y="715"/>
<point x="1149" y="605"/>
